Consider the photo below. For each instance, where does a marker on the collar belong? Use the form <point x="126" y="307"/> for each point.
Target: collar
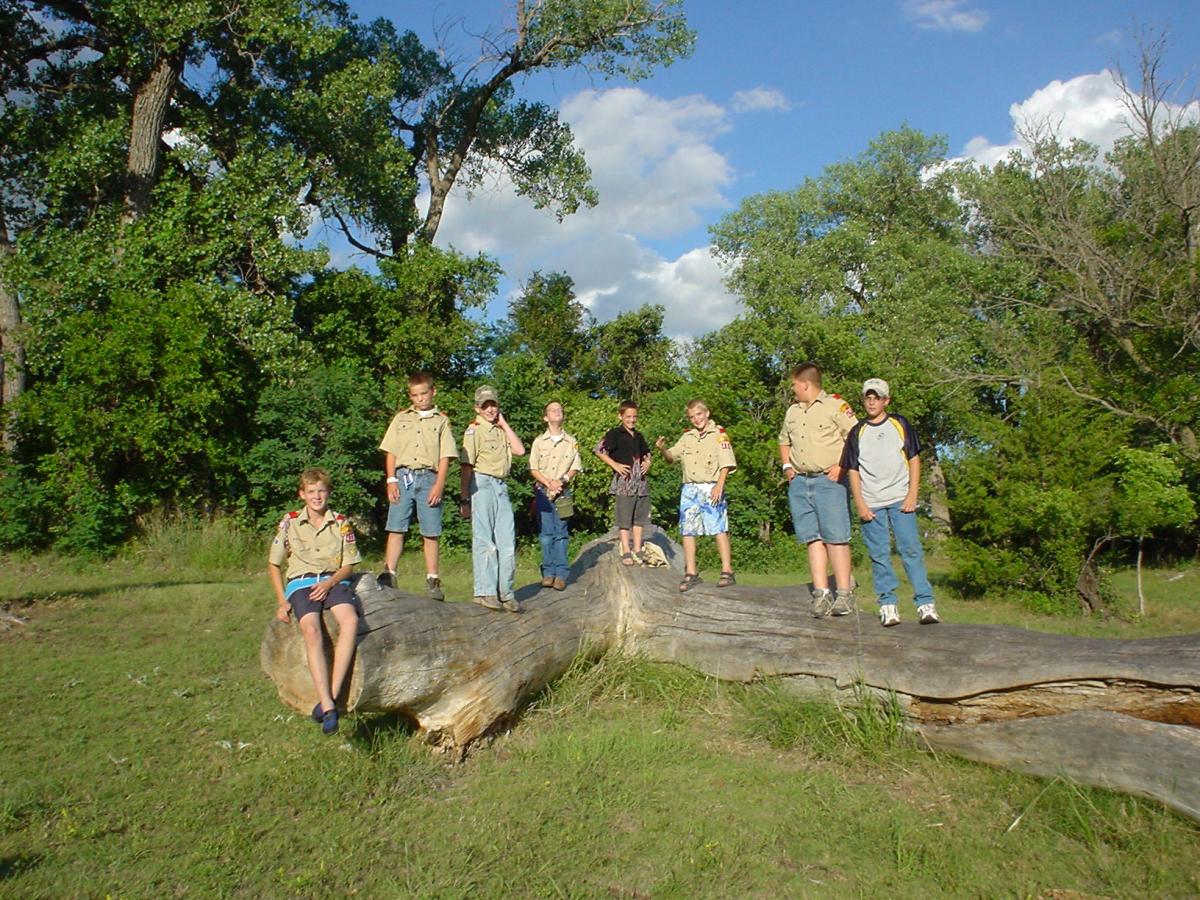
<point x="330" y="516"/>
<point x="424" y="413"/>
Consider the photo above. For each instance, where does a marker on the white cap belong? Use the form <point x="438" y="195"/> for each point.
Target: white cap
<point x="878" y="385"/>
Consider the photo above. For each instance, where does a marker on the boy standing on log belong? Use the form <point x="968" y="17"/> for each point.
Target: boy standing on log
<point x="883" y="461"/>
<point x="419" y="446"/>
<point x="553" y="462"/>
<point x="810" y="449"/>
<point x="707" y="459"/>
<point x="488" y="446"/>
<point x="625" y="451"/>
<point x="320" y="552"/>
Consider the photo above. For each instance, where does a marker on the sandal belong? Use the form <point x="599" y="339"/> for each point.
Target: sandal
<point x="726" y="579"/>
<point x="627" y="559"/>
<point x="689" y="582"/>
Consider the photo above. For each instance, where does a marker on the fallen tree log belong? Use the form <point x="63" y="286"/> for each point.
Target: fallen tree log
<point x="1011" y="697"/>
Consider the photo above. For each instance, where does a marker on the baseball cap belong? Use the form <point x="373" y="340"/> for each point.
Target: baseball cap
<point x="878" y="385"/>
<point x="484" y="394"/>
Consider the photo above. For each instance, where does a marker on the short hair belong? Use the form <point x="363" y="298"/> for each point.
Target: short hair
<point x="417" y="378"/>
<point x="807" y="371"/>
<point x="697" y="403"/>
<point x="625" y="406"/>
<point x="315" y="476"/>
<point x="546" y="408"/>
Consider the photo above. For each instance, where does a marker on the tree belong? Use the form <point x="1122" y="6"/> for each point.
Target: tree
<point x="547" y="322"/>
<point x="1150" y="497"/>
<point x="633" y="357"/>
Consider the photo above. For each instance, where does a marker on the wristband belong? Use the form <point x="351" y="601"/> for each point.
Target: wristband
<point x="392" y="479"/>
<point x="787" y="466"/>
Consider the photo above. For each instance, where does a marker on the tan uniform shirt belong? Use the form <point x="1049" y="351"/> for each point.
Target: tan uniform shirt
<point x="554" y="458"/>
<point x="316" y="550"/>
<point x="704" y="454"/>
<point x="419" y="442"/>
<point x="485" y="446"/>
<point x="817" y="432"/>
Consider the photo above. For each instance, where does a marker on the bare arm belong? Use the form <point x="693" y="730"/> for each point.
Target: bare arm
<point x="439" y="483"/>
<point x="283" y="608"/>
<point x="785" y="459"/>
<point x="864" y="511"/>
<point x="389" y="472"/>
<point x="718" y="490"/>
<point x="914" y="483"/>
<point x="514" y="442"/>
<point x="466" y="470"/>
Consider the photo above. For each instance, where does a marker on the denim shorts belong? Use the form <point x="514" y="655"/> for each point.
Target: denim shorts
<point x="414" y="494"/>
<point x="820" y="509"/>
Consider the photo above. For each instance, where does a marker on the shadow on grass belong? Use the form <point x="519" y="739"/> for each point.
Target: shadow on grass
<point x="11" y="866"/>
<point x="372" y="728"/>
<point x="31" y="598"/>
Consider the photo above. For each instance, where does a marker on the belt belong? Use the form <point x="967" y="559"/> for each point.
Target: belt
<point x="310" y="575"/>
<point x="811" y="474"/>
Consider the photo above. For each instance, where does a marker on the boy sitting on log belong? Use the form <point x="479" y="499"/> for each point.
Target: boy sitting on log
<point x="320" y="552"/>
<point x="707" y="459"/>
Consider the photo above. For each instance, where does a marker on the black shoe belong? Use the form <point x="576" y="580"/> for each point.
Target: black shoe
<point x="386" y="579"/>
<point x="329" y="721"/>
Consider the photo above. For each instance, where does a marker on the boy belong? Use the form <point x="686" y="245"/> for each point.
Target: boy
<point x="319" y="549"/>
<point x="810" y="449"/>
<point x="884" y="464"/>
<point x="707" y="459"/>
<point x="553" y="463"/>
<point x="418" y="447"/>
<point x="625" y="451"/>
<point x="488" y="446"/>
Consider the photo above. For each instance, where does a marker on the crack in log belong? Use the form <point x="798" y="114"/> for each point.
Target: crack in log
<point x="1153" y="703"/>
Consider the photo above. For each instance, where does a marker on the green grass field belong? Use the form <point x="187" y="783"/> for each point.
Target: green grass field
<point x="146" y="755"/>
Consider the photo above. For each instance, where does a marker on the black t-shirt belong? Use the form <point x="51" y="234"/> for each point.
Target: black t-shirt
<point x="624" y="447"/>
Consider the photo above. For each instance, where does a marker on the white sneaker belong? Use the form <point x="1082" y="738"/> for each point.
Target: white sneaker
<point x="822" y="602"/>
<point x="889" y="615"/>
<point x="927" y="614"/>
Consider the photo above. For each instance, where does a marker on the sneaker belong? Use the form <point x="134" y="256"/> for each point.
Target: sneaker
<point x="843" y="603"/>
<point x="512" y="604"/>
<point x="433" y="587"/>
<point x="386" y="579"/>
<point x="927" y="614"/>
<point x="548" y="581"/>
<point x="329" y="722"/>
<point x="560" y="584"/>
<point x="822" y="602"/>
<point x="889" y="615"/>
<point x="488" y="602"/>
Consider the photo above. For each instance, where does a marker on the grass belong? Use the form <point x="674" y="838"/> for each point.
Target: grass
<point x="146" y="755"/>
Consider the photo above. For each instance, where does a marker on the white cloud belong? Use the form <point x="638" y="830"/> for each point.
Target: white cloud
<point x="1088" y="107"/>
<point x="945" y="15"/>
<point x="760" y="99"/>
<point x="658" y="176"/>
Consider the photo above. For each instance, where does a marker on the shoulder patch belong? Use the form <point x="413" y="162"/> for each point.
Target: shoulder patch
<point x="721" y="429"/>
<point x="847" y="410"/>
<point x="347" y="530"/>
<point x="470" y="430"/>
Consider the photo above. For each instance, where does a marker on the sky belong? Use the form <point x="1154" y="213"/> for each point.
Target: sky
<point x="776" y="91"/>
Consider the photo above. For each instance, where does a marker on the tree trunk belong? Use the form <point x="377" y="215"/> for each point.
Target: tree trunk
<point x="459" y="671"/>
<point x="12" y="345"/>
<point x="939" y="507"/>
<point x="1141" y="596"/>
<point x="150" y="104"/>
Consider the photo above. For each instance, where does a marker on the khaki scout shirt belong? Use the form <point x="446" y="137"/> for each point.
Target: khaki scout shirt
<point x="419" y="442"/>
<point x="817" y="432"/>
<point x="554" y="458"/>
<point x="316" y="550"/>
<point x="485" y="446"/>
<point x="704" y="454"/>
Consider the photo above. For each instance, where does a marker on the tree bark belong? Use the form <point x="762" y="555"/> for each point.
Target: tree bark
<point x="459" y="671"/>
<point x="12" y="345"/>
<point x="150" y="104"/>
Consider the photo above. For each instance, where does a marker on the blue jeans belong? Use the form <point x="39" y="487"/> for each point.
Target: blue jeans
<point x="554" y="535"/>
<point x="876" y="534"/>
<point x="820" y="510"/>
<point x="493" y="537"/>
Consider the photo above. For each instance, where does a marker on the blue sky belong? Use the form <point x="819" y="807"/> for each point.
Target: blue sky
<point x="775" y="92"/>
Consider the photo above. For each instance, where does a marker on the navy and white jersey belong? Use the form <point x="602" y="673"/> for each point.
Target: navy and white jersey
<point x="880" y="452"/>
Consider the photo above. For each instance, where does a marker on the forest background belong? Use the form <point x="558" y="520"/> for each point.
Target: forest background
<point x="171" y="346"/>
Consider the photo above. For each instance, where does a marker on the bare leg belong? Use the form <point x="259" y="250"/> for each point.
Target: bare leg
<point x="818" y="561"/>
<point x="343" y="651"/>
<point x="624" y="533"/>
<point x="839" y="556"/>
<point x="637" y="538"/>
<point x="689" y="555"/>
<point x="725" y="551"/>
<point x="395" y="546"/>
<point x="314" y="649"/>
<point x="430" y="546"/>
